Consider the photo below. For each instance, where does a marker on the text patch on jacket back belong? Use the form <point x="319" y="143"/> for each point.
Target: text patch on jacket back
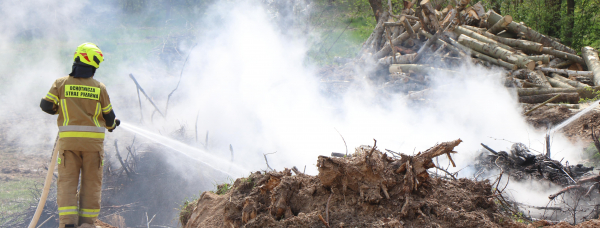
<point x="80" y="91"/>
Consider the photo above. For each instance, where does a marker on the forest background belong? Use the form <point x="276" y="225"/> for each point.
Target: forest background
<point x="342" y="25"/>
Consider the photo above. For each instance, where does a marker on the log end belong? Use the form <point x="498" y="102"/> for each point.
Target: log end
<point x="530" y="65"/>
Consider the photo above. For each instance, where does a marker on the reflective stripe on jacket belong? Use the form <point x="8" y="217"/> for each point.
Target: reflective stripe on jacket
<point x="81" y="104"/>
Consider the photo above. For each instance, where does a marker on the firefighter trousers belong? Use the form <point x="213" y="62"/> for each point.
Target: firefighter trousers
<point x="77" y="208"/>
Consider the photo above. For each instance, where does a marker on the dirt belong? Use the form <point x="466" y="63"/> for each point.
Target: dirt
<point x="363" y="190"/>
<point x="579" y="130"/>
<point x="19" y="166"/>
<point x="546" y="117"/>
<point x="102" y="224"/>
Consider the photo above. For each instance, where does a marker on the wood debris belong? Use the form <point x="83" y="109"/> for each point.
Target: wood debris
<point x="419" y="44"/>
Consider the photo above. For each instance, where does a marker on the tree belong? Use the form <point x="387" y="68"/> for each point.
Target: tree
<point x="377" y="7"/>
<point x="570" y="22"/>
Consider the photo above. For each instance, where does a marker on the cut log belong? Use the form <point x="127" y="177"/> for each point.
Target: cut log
<point x="558" y="83"/>
<point x="441" y="42"/>
<point x="563" y="64"/>
<point x="460" y="7"/>
<point x="396" y="41"/>
<point x="524" y="45"/>
<point x="474" y="29"/>
<point x="407" y="27"/>
<point x="543" y="58"/>
<point x="392" y="24"/>
<point x="567" y="72"/>
<point x="520" y="73"/>
<point x="593" y="63"/>
<point x="456" y="44"/>
<point x="373" y="40"/>
<point x="429" y="11"/>
<point x="538" y="78"/>
<point x="497" y="52"/>
<point x="582" y="91"/>
<point x="400" y="59"/>
<point x="500" y="25"/>
<point x="423" y="51"/>
<point x="542" y="104"/>
<point x="449" y="18"/>
<point x="462" y="30"/>
<point x="479" y="9"/>
<point x="519" y="83"/>
<point x="394" y="68"/>
<point x="573" y="83"/>
<point x="462" y="4"/>
<point x="389" y="39"/>
<point x="563" y="55"/>
<point x="507" y="34"/>
<point x="571" y="98"/>
<point x="529" y="33"/>
<point x="571" y="106"/>
<point x="492" y="60"/>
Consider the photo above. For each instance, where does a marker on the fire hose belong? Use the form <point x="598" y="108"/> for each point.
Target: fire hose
<point x="47" y="185"/>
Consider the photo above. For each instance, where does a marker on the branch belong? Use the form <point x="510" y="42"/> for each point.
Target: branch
<point x="446" y="171"/>
<point x="144" y="92"/>
<point x="231" y="149"/>
<point x="178" y="82"/>
<point x="121" y="160"/>
<point x="347" y="144"/>
<point x="267" y="161"/>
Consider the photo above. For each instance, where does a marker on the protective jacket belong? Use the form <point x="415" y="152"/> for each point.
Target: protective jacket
<point x="84" y="111"/>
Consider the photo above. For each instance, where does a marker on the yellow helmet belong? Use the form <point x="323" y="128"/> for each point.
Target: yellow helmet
<point x="89" y="54"/>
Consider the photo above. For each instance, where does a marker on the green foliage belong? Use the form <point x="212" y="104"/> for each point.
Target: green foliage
<point x="338" y="29"/>
<point x="224" y="188"/>
<point x="592" y="155"/>
<point x="594" y="94"/>
<point x="518" y="217"/>
<point x="550" y="17"/>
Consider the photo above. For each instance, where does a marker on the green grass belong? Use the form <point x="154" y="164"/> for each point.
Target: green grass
<point x="341" y="30"/>
<point x="16" y="195"/>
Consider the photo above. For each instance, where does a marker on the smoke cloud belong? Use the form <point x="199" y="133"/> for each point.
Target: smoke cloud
<point x="247" y="84"/>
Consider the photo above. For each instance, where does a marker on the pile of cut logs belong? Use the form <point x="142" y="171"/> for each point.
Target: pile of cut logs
<point x="423" y="40"/>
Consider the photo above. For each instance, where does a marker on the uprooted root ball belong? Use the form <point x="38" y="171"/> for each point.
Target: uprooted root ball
<point x="367" y="189"/>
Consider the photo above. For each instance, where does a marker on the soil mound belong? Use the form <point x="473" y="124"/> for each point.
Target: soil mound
<point x="546" y="117"/>
<point x="367" y="189"/>
<point x="581" y="129"/>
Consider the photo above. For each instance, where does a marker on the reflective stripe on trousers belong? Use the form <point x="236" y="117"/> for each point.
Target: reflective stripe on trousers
<point x="89" y="212"/>
<point x="72" y="210"/>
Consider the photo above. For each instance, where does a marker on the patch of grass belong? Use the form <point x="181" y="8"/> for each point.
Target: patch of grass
<point x="16" y="195"/>
<point x="186" y="209"/>
<point x="222" y="189"/>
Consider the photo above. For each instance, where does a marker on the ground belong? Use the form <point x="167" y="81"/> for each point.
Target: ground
<point x="19" y="174"/>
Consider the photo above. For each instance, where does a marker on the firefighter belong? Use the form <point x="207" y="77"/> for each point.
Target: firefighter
<point x="84" y="112"/>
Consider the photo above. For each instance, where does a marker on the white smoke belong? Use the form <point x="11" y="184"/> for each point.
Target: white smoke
<point x="251" y="86"/>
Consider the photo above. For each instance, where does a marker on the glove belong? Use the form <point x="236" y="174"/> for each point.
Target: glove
<point x="117" y="123"/>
